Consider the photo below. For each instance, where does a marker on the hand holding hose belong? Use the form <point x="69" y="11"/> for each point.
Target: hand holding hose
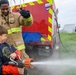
<point x="25" y="63"/>
<point x="24" y="13"/>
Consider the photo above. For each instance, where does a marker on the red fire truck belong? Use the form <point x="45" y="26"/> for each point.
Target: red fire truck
<point x="40" y="38"/>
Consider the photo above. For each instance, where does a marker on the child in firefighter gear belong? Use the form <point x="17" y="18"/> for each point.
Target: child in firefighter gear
<point x="13" y="22"/>
<point x="7" y="51"/>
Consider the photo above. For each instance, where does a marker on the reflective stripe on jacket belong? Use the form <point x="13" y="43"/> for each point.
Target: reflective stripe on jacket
<point x="12" y="30"/>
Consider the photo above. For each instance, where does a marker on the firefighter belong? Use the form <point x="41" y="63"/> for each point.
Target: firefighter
<point x="13" y="22"/>
<point x="7" y="51"/>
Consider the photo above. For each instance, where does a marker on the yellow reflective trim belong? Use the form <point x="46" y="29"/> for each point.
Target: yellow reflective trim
<point x="18" y="7"/>
<point x="50" y="20"/>
<point x="10" y="31"/>
<point x="31" y="3"/>
<point x="23" y="5"/>
<point x="12" y="7"/>
<point x="50" y="11"/>
<point x="15" y="29"/>
<point x="49" y="37"/>
<point x="49" y="29"/>
<point x="39" y="1"/>
<point x="42" y="39"/>
<point x="50" y="1"/>
<point x="21" y="47"/>
<point x="29" y="19"/>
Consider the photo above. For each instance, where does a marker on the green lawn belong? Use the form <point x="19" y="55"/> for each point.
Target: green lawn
<point x="68" y="51"/>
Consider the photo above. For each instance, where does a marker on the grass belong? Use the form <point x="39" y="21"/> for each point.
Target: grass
<point x="68" y="46"/>
<point x="69" y="50"/>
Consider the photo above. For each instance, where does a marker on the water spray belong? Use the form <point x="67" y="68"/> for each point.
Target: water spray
<point x="31" y="63"/>
<point x="67" y="62"/>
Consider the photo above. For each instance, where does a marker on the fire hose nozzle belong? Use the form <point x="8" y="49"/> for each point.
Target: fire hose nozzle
<point x="27" y="62"/>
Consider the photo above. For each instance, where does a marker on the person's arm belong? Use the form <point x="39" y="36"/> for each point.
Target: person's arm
<point x="1" y="62"/>
<point x="0" y="66"/>
<point x="15" y="54"/>
<point x="25" y="18"/>
<point x="7" y="69"/>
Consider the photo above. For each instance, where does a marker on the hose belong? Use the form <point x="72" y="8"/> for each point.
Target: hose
<point x="59" y="35"/>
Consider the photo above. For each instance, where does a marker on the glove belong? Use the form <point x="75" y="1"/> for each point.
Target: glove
<point x="9" y="69"/>
<point x="24" y="13"/>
